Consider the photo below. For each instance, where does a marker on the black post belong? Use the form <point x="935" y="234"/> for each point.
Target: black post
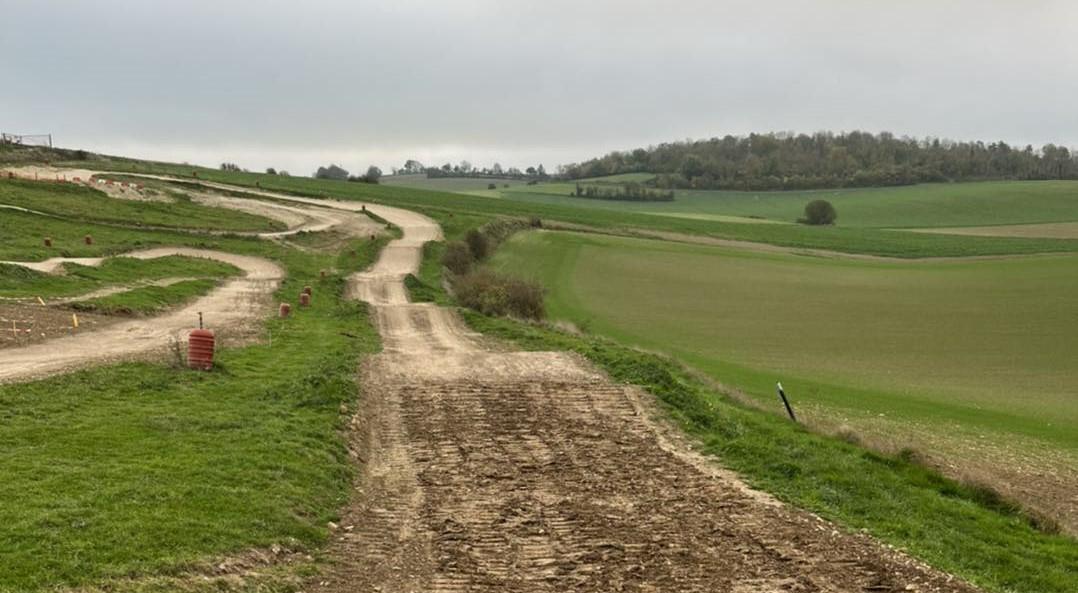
<point x="786" y="403"/>
<point x="200" y="327"/>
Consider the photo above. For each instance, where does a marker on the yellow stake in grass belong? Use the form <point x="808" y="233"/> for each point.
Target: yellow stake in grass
<point x="39" y="299"/>
<point x="75" y="320"/>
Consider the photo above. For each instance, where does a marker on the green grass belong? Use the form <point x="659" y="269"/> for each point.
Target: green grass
<point x="135" y="469"/>
<point x="842" y="238"/>
<point x="118" y="475"/>
<point x="16" y="281"/>
<point x="959" y="529"/>
<point x="926" y="205"/>
<point x="72" y="201"/>
<point x="983" y="345"/>
<point x="146" y="300"/>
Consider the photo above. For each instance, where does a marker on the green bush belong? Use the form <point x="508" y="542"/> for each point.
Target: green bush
<point x="819" y="212"/>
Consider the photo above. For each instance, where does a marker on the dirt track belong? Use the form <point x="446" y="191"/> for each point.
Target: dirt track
<point x="495" y="471"/>
<point x="236" y="302"/>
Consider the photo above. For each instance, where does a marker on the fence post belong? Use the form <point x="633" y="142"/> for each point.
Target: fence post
<point x="786" y="402"/>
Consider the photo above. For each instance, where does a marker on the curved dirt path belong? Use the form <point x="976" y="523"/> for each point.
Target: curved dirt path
<point x="238" y="301"/>
<point x="312" y="216"/>
<point x="521" y="471"/>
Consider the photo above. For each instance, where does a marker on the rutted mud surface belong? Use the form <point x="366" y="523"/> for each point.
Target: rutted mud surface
<point x="492" y="471"/>
<point x="237" y="302"/>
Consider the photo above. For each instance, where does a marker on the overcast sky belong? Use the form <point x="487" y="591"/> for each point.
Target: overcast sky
<point x="294" y="84"/>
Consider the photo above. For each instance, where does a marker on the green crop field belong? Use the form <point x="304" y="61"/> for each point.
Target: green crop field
<point x="465" y="185"/>
<point x="928" y="205"/>
<point x="968" y="359"/>
<point x="948" y="341"/>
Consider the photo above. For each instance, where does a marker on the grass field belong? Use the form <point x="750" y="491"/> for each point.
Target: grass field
<point x="466" y="185"/>
<point x="927" y="205"/>
<point x="969" y="362"/>
<point x="947" y="341"/>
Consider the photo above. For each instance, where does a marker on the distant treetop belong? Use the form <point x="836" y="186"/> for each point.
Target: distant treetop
<point x="828" y="160"/>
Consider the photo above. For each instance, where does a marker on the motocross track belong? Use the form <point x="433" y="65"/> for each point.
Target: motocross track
<point x="511" y="471"/>
<point x="236" y="302"/>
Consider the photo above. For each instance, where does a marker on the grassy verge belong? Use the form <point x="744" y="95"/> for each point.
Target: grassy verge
<point x="956" y="528"/>
<point x="79" y="202"/>
<point x="426" y="287"/>
<point x="146" y="300"/>
<point x="122" y="476"/>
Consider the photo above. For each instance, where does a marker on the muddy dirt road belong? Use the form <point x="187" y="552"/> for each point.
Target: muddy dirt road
<point x="511" y="471"/>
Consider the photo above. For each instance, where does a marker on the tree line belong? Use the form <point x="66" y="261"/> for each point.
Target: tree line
<point x="828" y="160"/>
<point x="466" y="169"/>
<point x="338" y="173"/>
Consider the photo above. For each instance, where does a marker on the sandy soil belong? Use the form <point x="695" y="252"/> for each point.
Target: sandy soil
<point x="237" y="302"/>
<point x="513" y="471"/>
<point x="1051" y="230"/>
<point x="85" y="177"/>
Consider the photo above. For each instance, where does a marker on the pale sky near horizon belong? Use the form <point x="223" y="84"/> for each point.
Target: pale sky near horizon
<point x="299" y="84"/>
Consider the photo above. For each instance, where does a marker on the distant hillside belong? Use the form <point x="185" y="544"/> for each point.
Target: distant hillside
<point x="827" y="160"/>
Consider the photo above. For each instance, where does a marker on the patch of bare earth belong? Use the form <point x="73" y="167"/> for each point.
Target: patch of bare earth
<point x="23" y="324"/>
<point x="1050" y="230"/>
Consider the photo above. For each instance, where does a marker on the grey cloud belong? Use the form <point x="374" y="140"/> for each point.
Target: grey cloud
<point x="298" y="83"/>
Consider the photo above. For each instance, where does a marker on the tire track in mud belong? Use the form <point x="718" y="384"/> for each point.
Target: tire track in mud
<point x="531" y="472"/>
